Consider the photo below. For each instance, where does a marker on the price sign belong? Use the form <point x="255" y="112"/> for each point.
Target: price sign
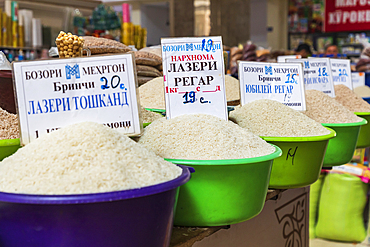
<point x="317" y="74"/>
<point x="193" y="70"/>
<point x="341" y="71"/>
<point x="281" y="59"/>
<point x="54" y="93"/>
<point x="282" y="82"/>
<point x="358" y="79"/>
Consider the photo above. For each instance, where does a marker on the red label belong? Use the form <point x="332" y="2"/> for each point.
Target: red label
<point x="347" y="15"/>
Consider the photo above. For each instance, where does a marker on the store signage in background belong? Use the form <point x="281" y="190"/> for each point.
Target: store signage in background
<point x="281" y="59"/>
<point x="341" y="71"/>
<point x="282" y="82"/>
<point x="344" y="15"/>
<point x="193" y="70"/>
<point x="358" y="79"/>
<point x="54" y="93"/>
<point x="317" y="74"/>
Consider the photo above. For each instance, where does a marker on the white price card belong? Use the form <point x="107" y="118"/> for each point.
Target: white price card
<point x="54" y="93"/>
<point x="194" y="80"/>
<point x="282" y="82"/>
<point x="281" y="59"/>
<point x="317" y="74"/>
<point x="341" y="71"/>
<point x="358" y="79"/>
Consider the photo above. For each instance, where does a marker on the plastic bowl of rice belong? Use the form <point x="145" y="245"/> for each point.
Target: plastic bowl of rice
<point x="224" y="192"/>
<point x="363" y="140"/>
<point x="8" y="147"/>
<point x="301" y="162"/>
<point x="341" y="148"/>
<point x="87" y="185"/>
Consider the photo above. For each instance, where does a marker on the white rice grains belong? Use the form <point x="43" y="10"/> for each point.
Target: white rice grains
<point x="83" y="158"/>
<point x="266" y="117"/>
<point x="149" y="116"/>
<point x="325" y="109"/>
<point x="202" y="137"/>
<point x="152" y="94"/>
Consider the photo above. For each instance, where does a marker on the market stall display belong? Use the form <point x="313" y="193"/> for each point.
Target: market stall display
<point x="303" y="141"/>
<point x="232" y="167"/>
<point x="87" y="178"/>
<point x="346" y="124"/>
<point x="360" y="107"/>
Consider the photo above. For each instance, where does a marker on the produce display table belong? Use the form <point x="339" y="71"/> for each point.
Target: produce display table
<point x="187" y="236"/>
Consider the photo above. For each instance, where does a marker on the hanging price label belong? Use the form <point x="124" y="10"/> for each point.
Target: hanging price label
<point x="193" y="70"/>
<point x="317" y="74"/>
<point x="54" y="93"/>
<point x="341" y="71"/>
<point x="282" y="82"/>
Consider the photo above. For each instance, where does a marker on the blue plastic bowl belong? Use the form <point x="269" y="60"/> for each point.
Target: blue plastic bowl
<point x="367" y="99"/>
<point x="137" y="217"/>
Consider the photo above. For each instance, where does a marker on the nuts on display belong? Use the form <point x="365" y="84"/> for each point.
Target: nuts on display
<point x="69" y="45"/>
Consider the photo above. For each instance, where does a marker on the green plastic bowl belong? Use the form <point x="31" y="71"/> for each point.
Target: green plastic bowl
<point x="156" y="110"/>
<point x="341" y="148"/>
<point x="364" y="136"/>
<point x="8" y="147"/>
<point x="223" y="192"/>
<point x="301" y="162"/>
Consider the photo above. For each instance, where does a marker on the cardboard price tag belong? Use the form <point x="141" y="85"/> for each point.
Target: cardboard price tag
<point x="317" y="74"/>
<point x="193" y="70"/>
<point x="358" y="79"/>
<point x="282" y="82"/>
<point x="341" y="71"/>
<point x="54" y="93"/>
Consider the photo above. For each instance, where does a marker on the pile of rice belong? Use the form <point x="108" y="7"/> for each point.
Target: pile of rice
<point x="232" y="87"/>
<point x="152" y="92"/>
<point x="202" y="137"/>
<point x="362" y="91"/>
<point x="349" y="99"/>
<point x="325" y="109"/>
<point x="8" y="125"/>
<point x="83" y="158"/>
<point x="149" y="116"/>
<point x="266" y="117"/>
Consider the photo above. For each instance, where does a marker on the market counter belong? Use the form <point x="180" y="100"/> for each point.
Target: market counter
<point x="282" y="221"/>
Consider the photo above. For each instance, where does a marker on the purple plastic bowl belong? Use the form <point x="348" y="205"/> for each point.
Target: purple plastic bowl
<point x="137" y="217"/>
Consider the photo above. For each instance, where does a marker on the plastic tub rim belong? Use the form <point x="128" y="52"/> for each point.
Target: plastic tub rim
<point x="246" y="161"/>
<point x="98" y="197"/>
<point x="363" y="122"/>
<point x="10" y="142"/>
<point x="331" y="135"/>
<point x="156" y="110"/>
<point x="362" y="113"/>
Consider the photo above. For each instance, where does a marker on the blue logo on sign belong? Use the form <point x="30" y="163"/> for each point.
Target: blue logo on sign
<point x="306" y="65"/>
<point x="72" y="71"/>
<point x="268" y="70"/>
<point x="189" y="47"/>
